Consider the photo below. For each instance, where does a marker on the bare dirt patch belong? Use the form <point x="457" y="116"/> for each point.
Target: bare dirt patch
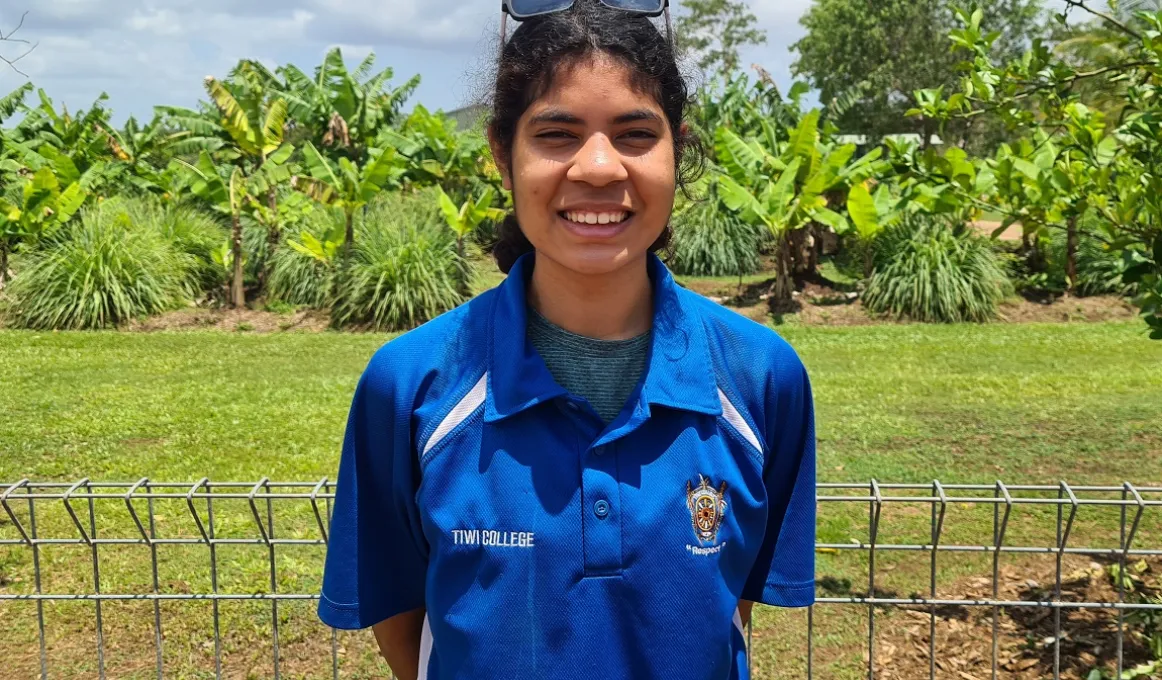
<point x="1025" y="638"/>
<point x="1013" y="233"/>
<point x="1068" y="308"/>
<point x="237" y="320"/>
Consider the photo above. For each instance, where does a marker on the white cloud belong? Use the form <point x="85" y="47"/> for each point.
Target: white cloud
<point x="147" y="52"/>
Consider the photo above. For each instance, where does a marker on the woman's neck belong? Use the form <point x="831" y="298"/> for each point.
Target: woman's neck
<point x="613" y="306"/>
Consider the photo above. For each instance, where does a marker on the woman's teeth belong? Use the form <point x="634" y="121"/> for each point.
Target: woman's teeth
<point x="596" y="218"/>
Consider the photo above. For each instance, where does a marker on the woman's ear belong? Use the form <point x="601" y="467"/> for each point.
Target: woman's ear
<point x="501" y="159"/>
<point x="684" y="129"/>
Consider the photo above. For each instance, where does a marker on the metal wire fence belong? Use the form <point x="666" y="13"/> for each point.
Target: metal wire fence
<point x="124" y="542"/>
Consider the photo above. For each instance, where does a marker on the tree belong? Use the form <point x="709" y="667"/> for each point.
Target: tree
<point x="347" y="186"/>
<point x="883" y="51"/>
<point x="255" y="120"/>
<point x="1098" y="44"/>
<point x="783" y="185"/>
<point x="230" y="191"/>
<point x="1073" y="162"/>
<point x="24" y="49"/>
<point x="144" y="151"/>
<point x="712" y="31"/>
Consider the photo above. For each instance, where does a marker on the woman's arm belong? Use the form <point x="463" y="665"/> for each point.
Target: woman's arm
<point x="744" y="609"/>
<point x="399" y="642"/>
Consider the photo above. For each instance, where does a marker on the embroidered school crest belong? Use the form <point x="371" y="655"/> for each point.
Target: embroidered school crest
<point x="707" y="506"/>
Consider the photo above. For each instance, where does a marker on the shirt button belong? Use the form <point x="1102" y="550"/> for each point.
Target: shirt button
<point x="600" y="451"/>
<point x="601" y="509"/>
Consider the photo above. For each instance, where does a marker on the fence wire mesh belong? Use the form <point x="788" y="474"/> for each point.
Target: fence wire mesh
<point x="219" y="579"/>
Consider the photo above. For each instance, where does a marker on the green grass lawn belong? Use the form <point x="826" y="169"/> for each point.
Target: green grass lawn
<point x="900" y="403"/>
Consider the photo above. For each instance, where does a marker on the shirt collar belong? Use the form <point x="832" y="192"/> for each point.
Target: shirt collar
<point x="679" y="373"/>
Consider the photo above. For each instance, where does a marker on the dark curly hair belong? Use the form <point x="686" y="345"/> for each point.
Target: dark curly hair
<point x="543" y="45"/>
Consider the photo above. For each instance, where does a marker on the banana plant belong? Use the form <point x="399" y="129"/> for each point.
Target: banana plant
<point x="783" y="185"/>
<point x="464" y="220"/>
<point x="437" y="153"/>
<point x="346" y="185"/>
<point x="344" y="110"/>
<point x="230" y="191"/>
<point x="44" y="207"/>
<point x="870" y="214"/>
<point x="325" y="250"/>
<point x="143" y="150"/>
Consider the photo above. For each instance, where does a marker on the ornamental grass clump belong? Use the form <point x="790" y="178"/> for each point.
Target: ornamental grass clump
<point x="709" y="240"/>
<point x="403" y="270"/>
<point x="932" y="271"/>
<point x="100" y="271"/>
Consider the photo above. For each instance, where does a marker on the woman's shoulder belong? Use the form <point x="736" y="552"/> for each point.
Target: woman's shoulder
<point x="748" y="357"/>
<point x="730" y="333"/>
<point x="450" y="347"/>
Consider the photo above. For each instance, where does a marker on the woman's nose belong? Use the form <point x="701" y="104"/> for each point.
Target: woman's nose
<point x="598" y="163"/>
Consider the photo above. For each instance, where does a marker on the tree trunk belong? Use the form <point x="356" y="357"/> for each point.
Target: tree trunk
<point x="3" y="265"/>
<point x="1071" y="243"/>
<point x="465" y="291"/>
<point x="784" y="271"/>
<point x="803" y="255"/>
<point x="237" y="292"/>
<point x="868" y="260"/>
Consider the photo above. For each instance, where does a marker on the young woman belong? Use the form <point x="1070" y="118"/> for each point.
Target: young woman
<point x="587" y="472"/>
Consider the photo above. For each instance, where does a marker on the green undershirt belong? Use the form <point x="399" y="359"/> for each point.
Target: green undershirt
<point x="604" y="372"/>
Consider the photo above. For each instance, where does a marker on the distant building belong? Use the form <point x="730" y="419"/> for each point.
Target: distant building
<point x="862" y="141"/>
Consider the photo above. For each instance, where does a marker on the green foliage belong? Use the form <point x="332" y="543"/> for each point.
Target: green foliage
<point x="439" y="154"/>
<point x="190" y="231"/>
<point x="784" y="185"/>
<point x="926" y="270"/>
<point x="304" y="273"/>
<point x="1085" y="164"/>
<point x="712" y="241"/>
<point x="37" y="210"/>
<point x="106" y="270"/>
<point x="882" y="52"/>
<point x="404" y="269"/>
<point x="712" y="31"/>
<point x="341" y="110"/>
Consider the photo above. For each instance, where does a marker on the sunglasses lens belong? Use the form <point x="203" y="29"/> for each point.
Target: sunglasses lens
<point x="643" y="6"/>
<point x="523" y="9"/>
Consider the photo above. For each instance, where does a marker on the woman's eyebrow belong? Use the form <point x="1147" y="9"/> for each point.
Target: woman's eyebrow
<point x="562" y="117"/>
<point x="555" y="116"/>
<point x="636" y="116"/>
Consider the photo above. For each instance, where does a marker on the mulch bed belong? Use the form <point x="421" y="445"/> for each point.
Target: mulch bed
<point x="1025" y="635"/>
<point x="818" y="304"/>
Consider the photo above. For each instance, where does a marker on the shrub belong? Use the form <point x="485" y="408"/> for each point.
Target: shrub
<point x="404" y="268"/>
<point x="299" y="279"/>
<point x="712" y="241"/>
<point x="928" y="270"/>
<point x="103" y="269"/>
<point x="197" y="234"/>
<point x="1099" y="270"/>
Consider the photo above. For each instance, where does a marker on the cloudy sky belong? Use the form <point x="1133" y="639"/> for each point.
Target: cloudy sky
<point x="147" y="52"/>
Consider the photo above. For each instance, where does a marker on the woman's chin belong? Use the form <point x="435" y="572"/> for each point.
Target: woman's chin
<point x="594" y="259"/>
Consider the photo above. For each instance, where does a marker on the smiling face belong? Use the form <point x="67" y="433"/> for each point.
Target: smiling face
<point x="592" y="169"/>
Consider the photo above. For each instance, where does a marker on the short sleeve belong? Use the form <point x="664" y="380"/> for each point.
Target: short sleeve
<point x="784" y="572"/>
<point x="376" y="555"/>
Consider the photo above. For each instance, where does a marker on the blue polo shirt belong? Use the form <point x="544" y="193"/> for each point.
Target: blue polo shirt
<point x="546" y="544"/>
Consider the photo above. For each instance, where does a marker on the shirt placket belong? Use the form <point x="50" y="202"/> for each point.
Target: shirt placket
<point x="600" y="497"/>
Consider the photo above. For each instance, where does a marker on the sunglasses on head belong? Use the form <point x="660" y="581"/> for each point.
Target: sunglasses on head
<point x="520" y="10"/>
